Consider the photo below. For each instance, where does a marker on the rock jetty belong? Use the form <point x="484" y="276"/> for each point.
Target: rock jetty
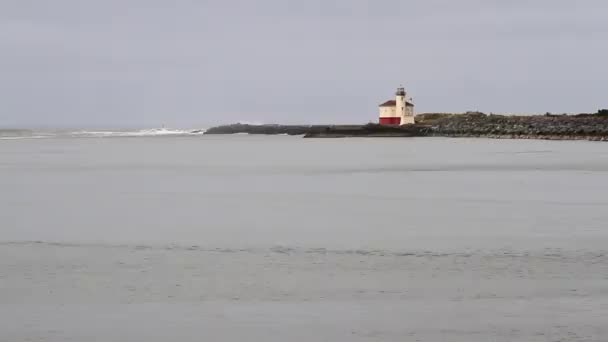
<point x="325" y="131"/>
<point x="551" y="127"/>
<point x="265" y="129"/>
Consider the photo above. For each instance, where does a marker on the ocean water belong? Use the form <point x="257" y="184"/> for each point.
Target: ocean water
<point x="160" y="234"/>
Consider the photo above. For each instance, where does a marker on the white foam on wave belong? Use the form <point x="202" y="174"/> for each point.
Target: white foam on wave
<point x="26" y="137"/>
<point x="140" y="133"/>
<point x="155" y="132"/>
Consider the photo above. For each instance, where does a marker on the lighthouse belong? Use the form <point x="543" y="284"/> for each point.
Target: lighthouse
<point x="399" y="111"/>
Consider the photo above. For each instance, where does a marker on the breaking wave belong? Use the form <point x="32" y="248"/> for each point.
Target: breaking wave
<point x="140" y="133"/>
<point x="25" y="137"/>
<point x="18" y="134"/>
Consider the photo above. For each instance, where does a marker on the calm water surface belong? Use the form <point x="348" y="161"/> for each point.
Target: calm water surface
<point x="265" y="191"/>
<point x="233" y="238"/>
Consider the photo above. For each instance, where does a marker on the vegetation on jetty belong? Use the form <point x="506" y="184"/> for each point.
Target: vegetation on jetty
<point x="472" y="124"/>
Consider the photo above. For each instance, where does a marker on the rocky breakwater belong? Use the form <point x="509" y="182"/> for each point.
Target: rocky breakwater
<point x="473" y="124"/>
<point x="265" y="129"/>
<point x="551" y="127"/>
<point x="325" y="131"/>
<point x="371" y="130"/>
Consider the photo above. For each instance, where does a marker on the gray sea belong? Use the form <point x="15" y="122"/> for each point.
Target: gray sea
<point x="167" y="235"/>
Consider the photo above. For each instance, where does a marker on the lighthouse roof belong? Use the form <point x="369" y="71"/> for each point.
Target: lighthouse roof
<point x="389" y="103"/>
<point x="393" y="103"/>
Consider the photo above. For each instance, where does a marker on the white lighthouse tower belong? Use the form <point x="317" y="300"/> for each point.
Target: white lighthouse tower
<point x="400" y="103"/>
<point x="397" y="112"/>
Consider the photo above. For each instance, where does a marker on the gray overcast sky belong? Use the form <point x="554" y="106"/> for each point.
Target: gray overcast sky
<point x="199" y="62"/>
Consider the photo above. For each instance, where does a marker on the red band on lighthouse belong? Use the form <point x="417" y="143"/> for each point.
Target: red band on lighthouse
<point x="390" y="121"/>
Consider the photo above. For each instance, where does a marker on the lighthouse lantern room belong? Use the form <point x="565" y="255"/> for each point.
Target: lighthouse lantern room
<point x="399" y="111"/>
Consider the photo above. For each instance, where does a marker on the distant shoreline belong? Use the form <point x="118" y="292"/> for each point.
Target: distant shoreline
<point x="592" y="127"/>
